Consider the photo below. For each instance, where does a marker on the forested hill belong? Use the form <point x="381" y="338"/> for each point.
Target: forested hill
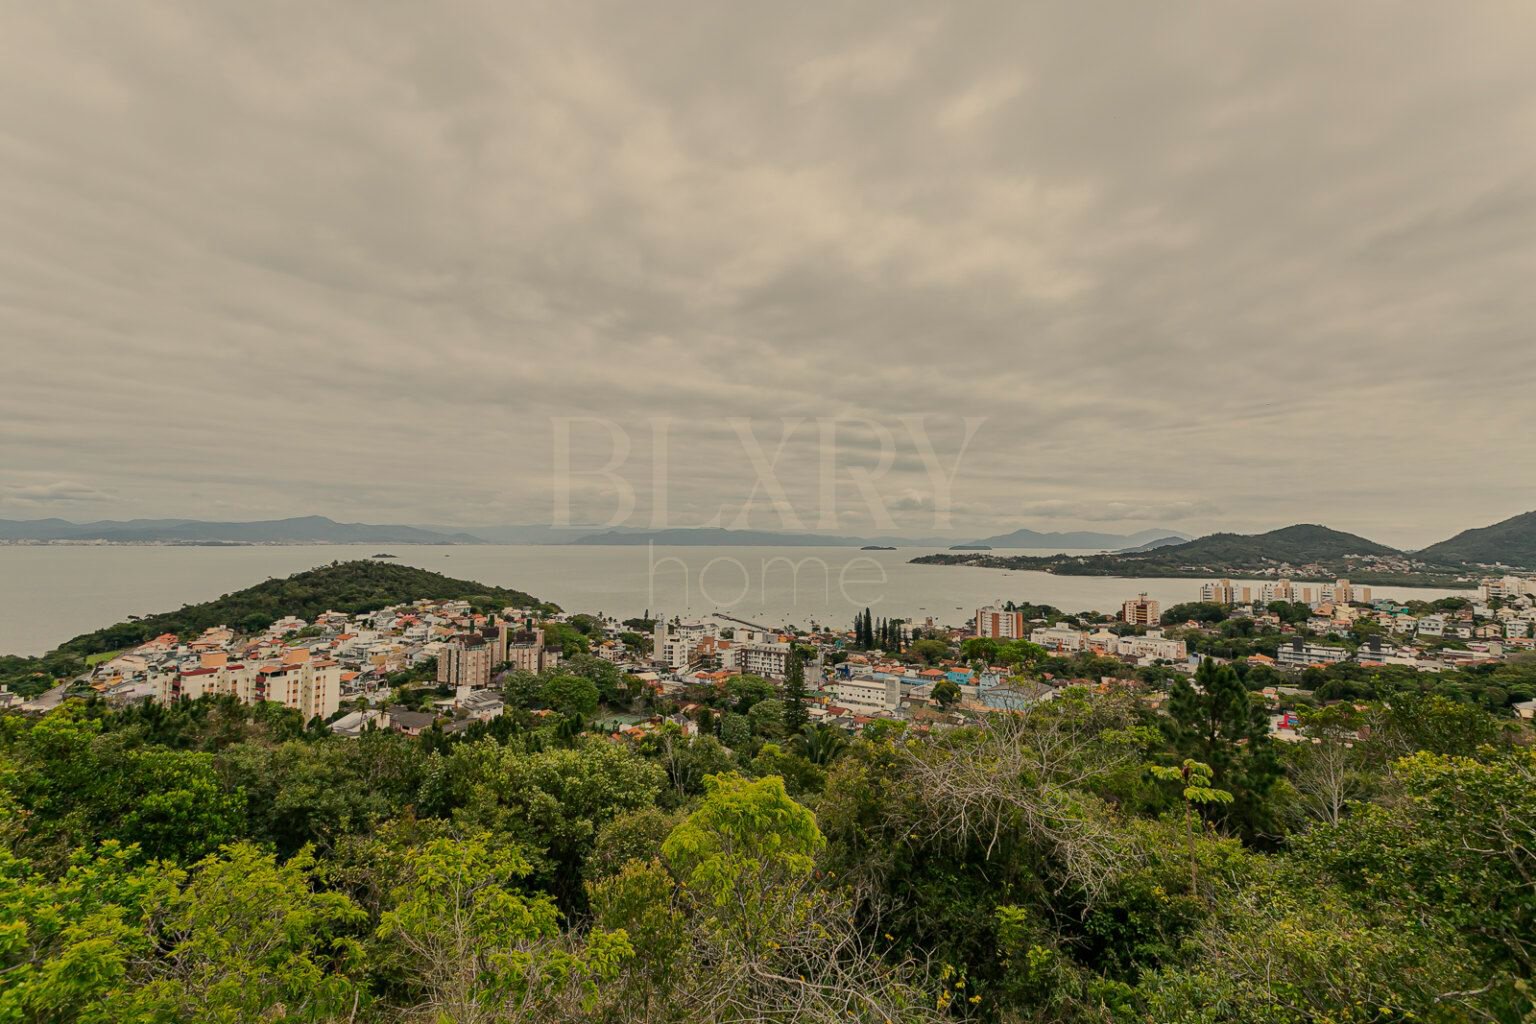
<point x="1298" y="545"/>
<point x="350" y="587"/>
<point x="1512" y="542"/>
<point x="1305" y="550"/>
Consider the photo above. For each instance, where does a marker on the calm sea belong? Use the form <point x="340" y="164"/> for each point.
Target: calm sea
<point x="51" y="593"/>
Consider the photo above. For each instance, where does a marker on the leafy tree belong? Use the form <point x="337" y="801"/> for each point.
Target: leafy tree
<point x="980" y="649"/>
<point x="1021" y="654"/>
<point x="472" y="947"/>
<point x="687" y="760"/>
<point x="747" y="690"/>
<point x="566" y="638"/>
<point x="1195" y="611"/>
<point x="735" y="730"/>
<point x="767" y="717"/>
<point x="521" y="688"/>
<point x="946" y="692"/>
<point x="237" y="937"/>
<point x="799" y="774"/>
<point x="929" y="651"/>
<point x="744" y="849"/>
<point x="571" y="695"/>
<point x="1459" y="849"/>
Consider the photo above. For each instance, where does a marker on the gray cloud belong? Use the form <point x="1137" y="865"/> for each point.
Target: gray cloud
<point x="1242" y="266"/>
<point x="59" y="492"/>
<point x="1117" y="511"/>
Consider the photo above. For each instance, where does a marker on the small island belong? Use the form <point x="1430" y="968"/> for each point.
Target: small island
<point x="970" y="547"/>
<point x="877" y="547"/>
<point x="385" y="554"/>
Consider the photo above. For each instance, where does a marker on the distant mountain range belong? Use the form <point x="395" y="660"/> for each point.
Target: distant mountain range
<point x="709" y="536"/>
<point x="717" y="537"/>
<point x="1153" y="545"/>
<point x="1303" y="550"/>
<point x="299" y="530"/>
<point x="1080" y="540"/>
<point x="1510" y="543"/>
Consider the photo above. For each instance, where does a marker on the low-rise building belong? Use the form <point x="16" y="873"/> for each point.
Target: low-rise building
<point x="1152" y="645"/>
<point x="1299" y="653"/>
<point x="1059" y="639"/>
<point x="866" y="693"/>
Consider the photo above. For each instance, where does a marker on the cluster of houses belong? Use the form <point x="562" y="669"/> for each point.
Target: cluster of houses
<point x="341" y="661"/>
<point x="318" y="667"/>
<point x="1500" y="620"/>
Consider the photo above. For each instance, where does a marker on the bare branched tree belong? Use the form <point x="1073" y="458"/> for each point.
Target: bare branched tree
<point x="1027" y="777"/>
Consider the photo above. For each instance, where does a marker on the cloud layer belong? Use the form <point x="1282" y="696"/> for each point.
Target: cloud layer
<point x="1211" y="266"/>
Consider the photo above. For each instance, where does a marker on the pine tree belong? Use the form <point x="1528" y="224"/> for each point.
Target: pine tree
<point x="795" y="715"/>
<point x="1217" y="722"/>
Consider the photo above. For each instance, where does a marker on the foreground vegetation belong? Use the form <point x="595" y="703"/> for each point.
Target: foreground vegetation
<point x="1088" y="861"/>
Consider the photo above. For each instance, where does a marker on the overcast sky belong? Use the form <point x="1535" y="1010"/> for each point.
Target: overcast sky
<point x="1199" y="266"/>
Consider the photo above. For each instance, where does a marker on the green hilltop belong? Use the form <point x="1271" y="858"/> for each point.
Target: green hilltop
<point x="1327" y="552"/>
<point x="1298" y="544"/>
<point x="1511" y="542"/>
<point x="351" y="587"/>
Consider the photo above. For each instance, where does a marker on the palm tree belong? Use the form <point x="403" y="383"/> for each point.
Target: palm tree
<point x="821" y="744"/>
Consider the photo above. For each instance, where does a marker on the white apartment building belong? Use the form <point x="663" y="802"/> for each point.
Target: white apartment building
<point x="864" y="694"/>
<point x="1285" y="590"/>
<point x="311" y="687"/>
<point x="1505" y="587"/>
<point x="760" y="659"/>
<point x="1103" y="641"/>
<point x="1226" y="592"/>
<point x="1058" y="639"/>
<point x="1432" y="625"/>
<point x="1298" y="653"/>
<point x="1343" y="592"/>
<point x="676" y="643"/>
<point x="1153" y="645"/>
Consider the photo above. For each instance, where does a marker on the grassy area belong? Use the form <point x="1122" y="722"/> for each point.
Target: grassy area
<point x="92" y="660"/>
